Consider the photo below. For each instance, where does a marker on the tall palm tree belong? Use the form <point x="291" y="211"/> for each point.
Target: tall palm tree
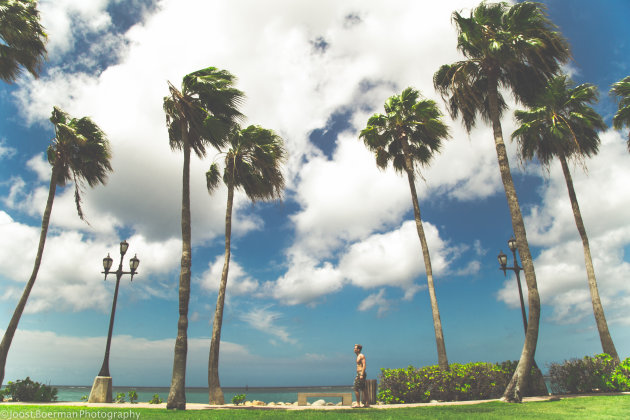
<point x="409" y="134"/>
<point x="562" y="125"/>
<point x="516" y="48"/>
<point x="197" y="116"/>
<point x="253" y="164"/>
<point x="622" y="117"/>
<point x="79" y="153"/>
<point x="22" y="39"/>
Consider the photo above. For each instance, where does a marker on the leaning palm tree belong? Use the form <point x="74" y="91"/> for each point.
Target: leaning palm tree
<point x="197" y="116"/>
<point x="622" y="117"/>
<point x="562" y="125"/>
<point x="253" y="164"/>
<point x="22" y="39"/>
<point x="409" y="134"/>
<point x="516" y="48"/>
<point x="79" y="153"/>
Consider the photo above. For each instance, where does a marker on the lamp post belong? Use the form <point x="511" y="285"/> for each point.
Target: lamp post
<point x="503" y="263"/>
<point x="102" y="387"/>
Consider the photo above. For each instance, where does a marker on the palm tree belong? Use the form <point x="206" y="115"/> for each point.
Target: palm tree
<point x="562" y="125"/>
<point x="79" y="153"/>
<point x="253" y="164"/>
<point x="622" y="117"/>
<point x="516" y="48"/>
<point x="197" y="116"/>
<point x="22" y="39"/>
<point x="409" y="134"/>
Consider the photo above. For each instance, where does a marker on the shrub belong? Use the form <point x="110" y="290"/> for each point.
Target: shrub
<point x="27" y="390"/>
<point x="133" y="396"/>
<point x="156" y="399"/>
<point x="120" y="397"/>
<point x="620" y="379"/>
<point x="238" y="399"/>
<point x="590" y="374"/>
<point x="462" y="382"/>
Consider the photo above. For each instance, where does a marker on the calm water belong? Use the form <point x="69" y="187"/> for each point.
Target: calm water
<point x="200" y="395"/>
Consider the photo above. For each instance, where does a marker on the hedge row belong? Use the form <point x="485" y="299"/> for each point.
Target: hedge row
<point x="481" y="381"/>
<point x="462" y="382"/>
<point x="590" y="374"/>
<point x="27" y="390"/>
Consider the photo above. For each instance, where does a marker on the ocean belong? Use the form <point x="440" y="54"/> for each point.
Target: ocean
<point x="200" y="395"/>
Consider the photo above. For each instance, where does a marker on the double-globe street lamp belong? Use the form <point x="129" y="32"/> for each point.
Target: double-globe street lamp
<point x="102" y="387"/>
<point x="503" y="263"/>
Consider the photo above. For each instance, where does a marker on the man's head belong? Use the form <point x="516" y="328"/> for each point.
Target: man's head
<point x="358" y="348"/>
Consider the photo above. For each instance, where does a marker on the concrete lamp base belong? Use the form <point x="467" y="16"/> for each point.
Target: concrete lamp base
<point x="101" y="390"/>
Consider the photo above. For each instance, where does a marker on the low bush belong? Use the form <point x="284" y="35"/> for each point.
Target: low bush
<point x="620" y="378"/>
<point x="590" y="374"/>
<point x="133" y="396"/>
<point x="462" y="382"/>
<point x="156" y="399"/>
<point x="238" y="399"/>
<point x="28" y="390"/>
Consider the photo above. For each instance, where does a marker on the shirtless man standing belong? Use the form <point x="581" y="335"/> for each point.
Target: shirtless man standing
<point x="359" y="381"/>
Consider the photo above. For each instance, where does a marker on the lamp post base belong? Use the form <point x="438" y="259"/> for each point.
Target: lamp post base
<point x="101" y="390"/>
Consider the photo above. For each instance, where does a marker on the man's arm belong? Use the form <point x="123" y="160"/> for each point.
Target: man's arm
<point x="363" y="364"/>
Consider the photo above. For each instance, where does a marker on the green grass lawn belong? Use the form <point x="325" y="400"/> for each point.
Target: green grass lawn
<point x="597" y="407"/>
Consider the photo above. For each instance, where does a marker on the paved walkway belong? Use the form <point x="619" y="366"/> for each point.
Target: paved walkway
<point x="195" y="406"/>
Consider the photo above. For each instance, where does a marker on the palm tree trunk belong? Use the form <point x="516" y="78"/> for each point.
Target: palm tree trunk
<point x="602" y="326"/>
<point x="17" y="314"/>
<point x="177" y="392"/>
<point x="215" y="393"/>
<point x="437" y="323"/>
<point x="518" y="383"/>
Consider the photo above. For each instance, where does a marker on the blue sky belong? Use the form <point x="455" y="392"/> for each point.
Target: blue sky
<point x="337" y="261"/>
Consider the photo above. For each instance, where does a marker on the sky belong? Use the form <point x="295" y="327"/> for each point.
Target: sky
<point x="337" y="261"/>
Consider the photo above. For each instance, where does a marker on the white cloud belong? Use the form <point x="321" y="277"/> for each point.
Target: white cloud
<point x="347" y="208"/>
<point x="133" y="361"/>
<point x="6" y="151"/>
<point x="239" y="282"/>
<point x="306" y="280"/>
<point x="346" y="198"/>
<point x="392" y="259"/>
<point x="600" y="193"/>
<point x="67" y="20"/>
<point x="71" y="264"/>
<point x="560" y="272"/>
<point x="265" y="320"/>
<point x="292" y="88"/>
<point x="41" y="167"/>
<point x="376" y="300"/>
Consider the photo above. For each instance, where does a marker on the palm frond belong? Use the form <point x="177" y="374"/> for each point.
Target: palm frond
<point x="213" y="177"/>
<point x="79" y="152"/>
<point x="621" y="118"/>
<point x="203" y="111"/>
<point x="516" y="44"/>
<point x="411" y="127"/>
<point x="253" y="163"/>
<point x="22" y="39"/>
<point x="562" y="124"/>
